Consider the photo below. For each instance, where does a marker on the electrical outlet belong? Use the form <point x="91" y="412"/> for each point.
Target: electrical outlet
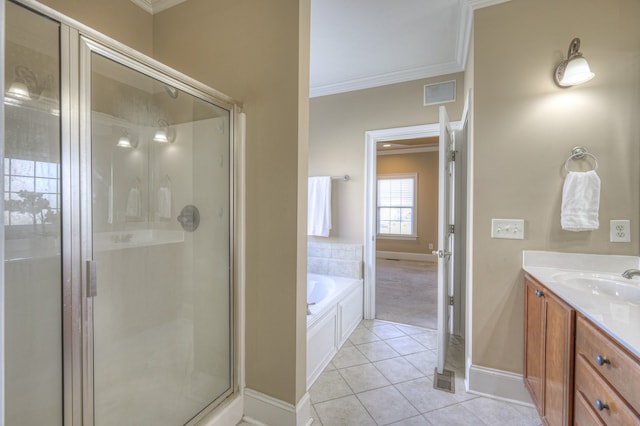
<point x="512" y="229"/>
<point x="620" y="231"/>
<point x="430" y="246"/>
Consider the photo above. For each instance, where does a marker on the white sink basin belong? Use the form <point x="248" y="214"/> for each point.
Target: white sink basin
<point x="601" y="284"/>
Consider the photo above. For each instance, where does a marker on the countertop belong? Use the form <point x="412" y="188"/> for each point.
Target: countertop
<point x="620" y="318"/>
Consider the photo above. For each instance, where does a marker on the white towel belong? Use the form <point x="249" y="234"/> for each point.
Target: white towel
<point x="134" y="205"/>
<point x="580" y="201"/>
<point x="319" y="206"/>
<point x="164" y="203"/>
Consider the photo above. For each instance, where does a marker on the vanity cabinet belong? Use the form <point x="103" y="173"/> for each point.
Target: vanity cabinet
<point x="607" y="378"/>
<point x="549" y="353"/>
<point x="575" y="372"/>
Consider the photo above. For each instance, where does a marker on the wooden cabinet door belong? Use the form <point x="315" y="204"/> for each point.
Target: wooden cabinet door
<point x="548" y="353"/>
<point x="558" y="371"/>
<point x="534" y="326"/>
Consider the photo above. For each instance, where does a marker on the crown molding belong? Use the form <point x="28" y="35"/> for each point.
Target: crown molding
<point x="464" y="34"/>
<point x="478" y="4"/>
<point x="386" y="79"/>
<point x="155" y="6"/>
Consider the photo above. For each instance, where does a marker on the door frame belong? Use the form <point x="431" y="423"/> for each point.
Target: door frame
<point x="372" y="138"/>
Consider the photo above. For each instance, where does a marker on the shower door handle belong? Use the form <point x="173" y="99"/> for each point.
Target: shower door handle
<point x="92" y="281"/>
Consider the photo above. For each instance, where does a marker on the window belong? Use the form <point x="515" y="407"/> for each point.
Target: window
<point x="397" y="205"/>
<point x="31" y="191"/>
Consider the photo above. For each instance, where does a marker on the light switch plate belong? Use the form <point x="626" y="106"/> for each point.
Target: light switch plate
<point x="620" y="231"/>
<point x="512" y="229"/>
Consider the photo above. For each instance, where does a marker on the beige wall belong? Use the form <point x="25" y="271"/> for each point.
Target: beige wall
<point x="121" y="20"/>
<point x="250" y="51"/>
<point x="337" y="140"/>
<point x="524" y="128"/>
<point x="425" y="165"/>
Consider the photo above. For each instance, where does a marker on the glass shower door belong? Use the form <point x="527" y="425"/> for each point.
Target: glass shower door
<point x="160" y="248"/>
<point x="32" y="281"/>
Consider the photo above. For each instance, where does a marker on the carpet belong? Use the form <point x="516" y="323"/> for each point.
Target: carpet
<point x="407" y="291"/>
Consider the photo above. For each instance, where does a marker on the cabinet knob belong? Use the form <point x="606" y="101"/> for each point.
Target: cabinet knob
<point x="601" y="405"/>
<point x="600" y="360"/>
<point x="539" y="293"/>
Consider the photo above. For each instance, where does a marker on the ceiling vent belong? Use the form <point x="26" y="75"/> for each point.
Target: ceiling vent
<point x="440" y="93"/>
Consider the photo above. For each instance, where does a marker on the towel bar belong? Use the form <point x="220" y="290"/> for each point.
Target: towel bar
<point x="578" y="153"/>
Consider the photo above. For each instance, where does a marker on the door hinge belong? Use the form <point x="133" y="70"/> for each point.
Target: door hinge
<point x="452" y="155"/>
<point x="450" y="300"/>
<point x="452" y="229"/>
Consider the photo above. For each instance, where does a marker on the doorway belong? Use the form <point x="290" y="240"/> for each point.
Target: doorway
<point x="407" y="231"/>
<point x="457" y="317"/>
<point x="373" y="138"/>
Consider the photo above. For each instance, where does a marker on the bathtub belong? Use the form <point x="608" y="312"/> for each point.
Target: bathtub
<point x="319" y="289"/>
<point x="335" y="310"/>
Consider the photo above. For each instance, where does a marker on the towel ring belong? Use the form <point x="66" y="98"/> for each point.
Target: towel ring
<point x="578" y="153"/>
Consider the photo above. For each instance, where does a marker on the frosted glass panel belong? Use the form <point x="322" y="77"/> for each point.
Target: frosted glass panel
<point x="32" y="258"/>
<point x="162" y="328"/>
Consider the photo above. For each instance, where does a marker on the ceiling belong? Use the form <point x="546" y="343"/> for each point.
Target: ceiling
<point x="359" y="44"/>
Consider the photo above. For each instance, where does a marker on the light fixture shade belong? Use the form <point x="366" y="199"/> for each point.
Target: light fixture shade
<point x="161" y="136"/>
<point x="19" y="90"/>
<point x="124" y="142"/>
<point x="164" y="133"/>
<point x="575" y="69"/>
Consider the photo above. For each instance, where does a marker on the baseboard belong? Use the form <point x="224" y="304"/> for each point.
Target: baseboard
<point x="422" y="257"/>
<point x="230" y="412"/>
<point x="261" y="409"/>
<point x="498" y="384"/>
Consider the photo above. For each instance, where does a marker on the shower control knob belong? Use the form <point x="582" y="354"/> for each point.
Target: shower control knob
<point x="189" y="218"/>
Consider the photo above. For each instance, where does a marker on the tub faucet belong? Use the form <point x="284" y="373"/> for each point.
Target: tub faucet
<point x="630" y="273"/>
<point x="309" y="310"/>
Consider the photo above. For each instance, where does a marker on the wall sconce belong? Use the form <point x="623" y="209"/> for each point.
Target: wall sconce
<point x="171" y="91"/>
<point x="24" y="82"/>
<point x="575" y="69"/>
<point x="164" y="134"/>
<point x="126" y="141"/>
<point x="25" y="85"/>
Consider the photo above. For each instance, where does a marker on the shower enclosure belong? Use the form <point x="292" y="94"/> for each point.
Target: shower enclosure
<point x="118" y="232"/>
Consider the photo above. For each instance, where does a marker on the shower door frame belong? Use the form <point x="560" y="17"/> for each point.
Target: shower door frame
<point x="77" y="42"/>
<point x="87" y="47"/>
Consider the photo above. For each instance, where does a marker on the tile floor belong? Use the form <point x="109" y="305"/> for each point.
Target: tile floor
<point x="383" y="376"/>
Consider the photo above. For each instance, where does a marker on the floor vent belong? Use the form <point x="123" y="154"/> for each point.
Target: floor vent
<point x="445" y="381"/>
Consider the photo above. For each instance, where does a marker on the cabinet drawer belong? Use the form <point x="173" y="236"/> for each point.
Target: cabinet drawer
<point x="619" y="367"/>
<point x="594" y="389"/>
<point x="584" y="415"/>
